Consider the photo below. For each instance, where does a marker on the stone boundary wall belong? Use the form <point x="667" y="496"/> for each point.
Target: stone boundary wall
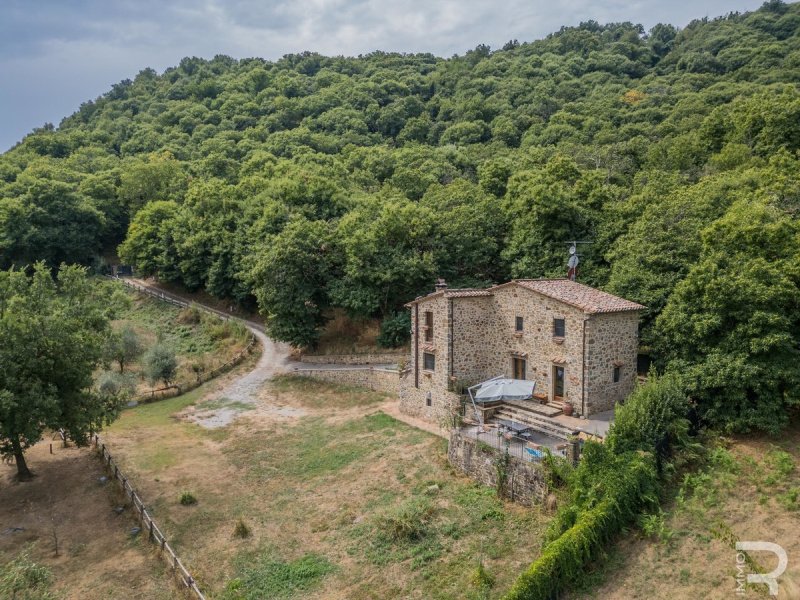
<point x="525" y="482"/>
<point x="371" y="358"/>
<point x="374" y="378"/>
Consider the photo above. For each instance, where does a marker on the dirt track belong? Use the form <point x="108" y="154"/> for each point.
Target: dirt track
<point x="242" y="393"/>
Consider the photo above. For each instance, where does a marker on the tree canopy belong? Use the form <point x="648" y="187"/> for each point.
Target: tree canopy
<point x="52" y="336"/>
<point x="315" y="183"/>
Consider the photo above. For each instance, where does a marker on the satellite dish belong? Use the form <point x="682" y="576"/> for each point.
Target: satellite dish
<point x="573" y="249"/>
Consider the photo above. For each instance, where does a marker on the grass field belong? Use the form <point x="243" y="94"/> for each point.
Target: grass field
<point x="749" y="490"/>
<point x="195" y="337"/>
<point x="338" y="500"/>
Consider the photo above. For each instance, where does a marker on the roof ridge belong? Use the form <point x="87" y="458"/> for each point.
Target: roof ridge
<point x="590" y="300"/>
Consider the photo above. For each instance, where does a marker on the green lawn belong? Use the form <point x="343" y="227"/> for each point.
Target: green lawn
<point x="345" y="502"/>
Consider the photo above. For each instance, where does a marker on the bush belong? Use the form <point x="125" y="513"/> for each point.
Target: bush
<point x="217" y="329"/>
<point x="24" y="579"/>
<point x="395" y="330"/>
<point x="481" y="578"/>
<point x="160" y="363"/>
<point x="654" y="526"/>
<point x="653" y="418"/>
<point x="409" y="521"/>
<point x="188" y="499"/>
<point x="241" y="530"/>
<point x="191" y="315"/>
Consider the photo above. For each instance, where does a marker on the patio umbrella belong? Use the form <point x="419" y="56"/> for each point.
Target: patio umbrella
<point x="505" y="389"/>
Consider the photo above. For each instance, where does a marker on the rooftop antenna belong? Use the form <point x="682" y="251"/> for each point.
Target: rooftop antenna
<point x="574" y="260"/>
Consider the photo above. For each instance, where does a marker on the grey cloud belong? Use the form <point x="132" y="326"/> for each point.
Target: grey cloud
<point x="54" y="54"/>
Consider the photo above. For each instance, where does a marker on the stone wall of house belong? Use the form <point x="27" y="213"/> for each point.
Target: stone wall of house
<point x="374" y="378"/>
<point x="611" y="340"/>
<point x="473" y="324"/>
<point x="371" y="358"/>
<point x="427" y="393"/>
<point x="440" y="408"/>
<point x="485" y="342"/>
<point x="536" y="344"/>
<point x="525" y="481"/>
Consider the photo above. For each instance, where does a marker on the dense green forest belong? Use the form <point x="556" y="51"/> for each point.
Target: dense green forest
<point x="316" y="182"/>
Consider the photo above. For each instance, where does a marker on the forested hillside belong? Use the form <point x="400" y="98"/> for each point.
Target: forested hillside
<point x="313" y="182"/>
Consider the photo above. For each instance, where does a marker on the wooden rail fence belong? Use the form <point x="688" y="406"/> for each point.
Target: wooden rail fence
<point x="171" y="391"/>
<point x="154" y="534"/>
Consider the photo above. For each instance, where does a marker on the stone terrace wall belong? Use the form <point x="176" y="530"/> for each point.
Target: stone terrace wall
<point x="525" y="482"/>
<point x="372" y="358"/>
<point x="373" y="378"/>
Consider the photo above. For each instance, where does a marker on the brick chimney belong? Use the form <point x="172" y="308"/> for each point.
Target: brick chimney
<point x="441" y="284"/>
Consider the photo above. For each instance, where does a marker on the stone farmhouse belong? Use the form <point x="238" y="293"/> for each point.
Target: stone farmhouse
<point x="579" y="344"/>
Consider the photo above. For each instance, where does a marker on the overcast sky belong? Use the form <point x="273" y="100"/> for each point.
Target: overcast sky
<point x="55" y="54"/>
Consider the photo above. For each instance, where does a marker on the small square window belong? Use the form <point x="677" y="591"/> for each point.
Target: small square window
<point x="519" y="324"/>
<point x="428" y="361"/>
<point x="559" y="328"/>
<point x="617" y="373"/>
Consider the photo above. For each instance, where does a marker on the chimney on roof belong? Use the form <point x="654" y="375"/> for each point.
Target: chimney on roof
<point x="441" y="284"/>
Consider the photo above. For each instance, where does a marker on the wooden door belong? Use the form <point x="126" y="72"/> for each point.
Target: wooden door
<point x="519" y="368"/>
<point x="558" y="383"/>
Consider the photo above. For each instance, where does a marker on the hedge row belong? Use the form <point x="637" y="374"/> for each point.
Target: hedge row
<point x="631" y="488"/>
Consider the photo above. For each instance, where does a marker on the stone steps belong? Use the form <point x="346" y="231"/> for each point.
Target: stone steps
<point x="548" y="410"/>
<point x="535" y="422"/>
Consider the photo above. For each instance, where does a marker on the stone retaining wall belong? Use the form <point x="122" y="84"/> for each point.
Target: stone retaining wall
<point x="525" y="482"/>
<point x="371" y="358"/>
<point x="374" y="378"/>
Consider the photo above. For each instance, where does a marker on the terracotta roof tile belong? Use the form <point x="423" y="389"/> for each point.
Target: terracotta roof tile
<point x="588" y="299"/>
<point x="453" y="293"/>
<point x="472" y="293"/>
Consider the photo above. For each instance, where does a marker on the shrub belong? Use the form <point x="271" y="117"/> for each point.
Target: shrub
<point x="395" y="330"/>
<point x="191" y="315"/>
<point x="187" y="499"/>
<point x="481" y="578"/>
<point x="198" y="368"/>
<point x="654" y="526"/>
<point x="621" y="486"/>
<point x="24" y="579"/>
<point x="409" y="521"/>
<point x="218" y="330"/>
<point x="653" y="418"/>
<point x="241" y="530"/>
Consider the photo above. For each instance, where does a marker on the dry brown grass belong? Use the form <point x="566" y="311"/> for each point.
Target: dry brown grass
<point x="321" y="485"/>
<point x="97" y="559"/>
